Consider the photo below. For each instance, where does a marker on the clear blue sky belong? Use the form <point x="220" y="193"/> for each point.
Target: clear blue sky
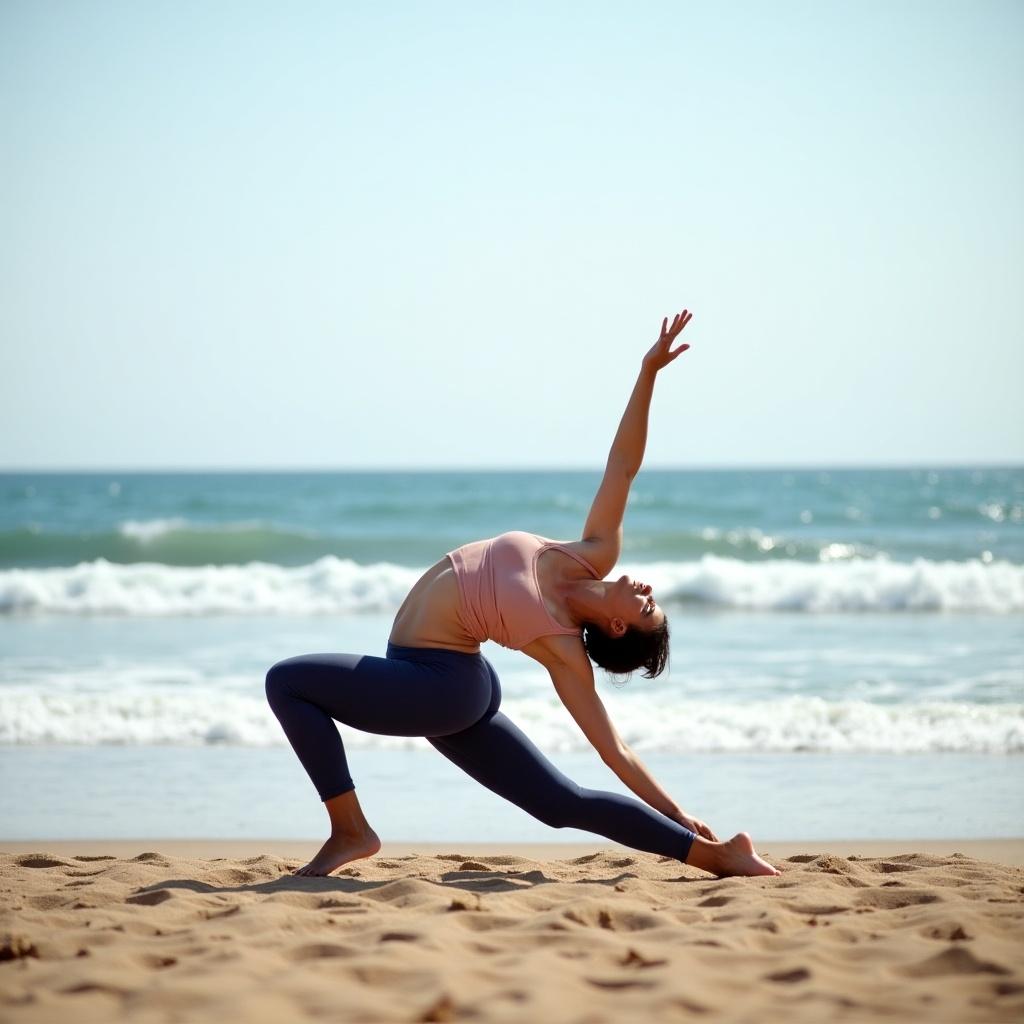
<point x="422" y="235"/>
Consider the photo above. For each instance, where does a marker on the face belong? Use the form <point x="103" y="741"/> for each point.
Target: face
<point x="634" y="603"/>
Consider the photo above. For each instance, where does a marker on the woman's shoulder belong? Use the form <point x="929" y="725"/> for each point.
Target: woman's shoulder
<point x="593" y="553"/>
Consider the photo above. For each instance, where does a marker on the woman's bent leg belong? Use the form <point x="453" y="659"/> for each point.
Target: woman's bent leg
<point x="395" y="696"/>
<point x="412" y="692"/>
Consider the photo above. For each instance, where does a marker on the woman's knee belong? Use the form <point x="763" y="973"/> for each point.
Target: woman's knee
<point x="277" y="680"/>
<point x="556" y="815"/>
<point x="567" y="808"/>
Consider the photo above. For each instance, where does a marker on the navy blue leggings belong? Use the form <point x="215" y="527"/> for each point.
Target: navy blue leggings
<point x="452" y="699"/>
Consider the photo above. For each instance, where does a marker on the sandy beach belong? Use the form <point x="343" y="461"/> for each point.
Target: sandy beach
<point x="166" y="930"/>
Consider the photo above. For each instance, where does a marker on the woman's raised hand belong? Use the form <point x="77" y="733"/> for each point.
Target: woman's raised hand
<point x="660" y="354"/>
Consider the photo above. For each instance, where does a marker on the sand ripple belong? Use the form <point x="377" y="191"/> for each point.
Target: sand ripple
<point x="447" y="937"/>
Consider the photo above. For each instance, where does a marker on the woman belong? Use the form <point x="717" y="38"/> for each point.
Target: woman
<point x="549" y="600"/>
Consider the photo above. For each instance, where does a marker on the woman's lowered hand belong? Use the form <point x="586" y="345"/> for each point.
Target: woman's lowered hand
<point x="695" y="825"/>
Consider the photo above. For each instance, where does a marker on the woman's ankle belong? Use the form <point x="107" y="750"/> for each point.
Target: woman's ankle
<point x="348" y="835"/>
<point x="704" y="854"/>
<point x="347" y="819"/>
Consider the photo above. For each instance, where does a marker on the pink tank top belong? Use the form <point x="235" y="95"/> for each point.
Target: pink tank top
<point x="500" y="595"/>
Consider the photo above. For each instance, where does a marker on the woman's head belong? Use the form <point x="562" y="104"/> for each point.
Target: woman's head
<point x="630" y="633"/>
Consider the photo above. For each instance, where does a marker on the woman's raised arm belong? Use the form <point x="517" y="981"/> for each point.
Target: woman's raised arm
<point x="603" y="528"/>
<point x="627" y="452"/>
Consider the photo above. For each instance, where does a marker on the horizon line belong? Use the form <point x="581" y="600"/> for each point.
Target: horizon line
<point x="524" y="468"/>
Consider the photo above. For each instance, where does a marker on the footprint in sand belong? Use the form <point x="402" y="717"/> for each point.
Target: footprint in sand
<point x="816" y="909"/>
<point x="151" y="898"/>
<point x="789" y="977"/>
<point x="319" y="951"/>
<point x="88" y="987"/>
<point x="635" y="959"/>
<point x="39" y="860"/>
<point x="16" y="947"/>
<point x="715" y="901"/>
<point x="156" y="962"/>
<point x="956" y="960"/>
<point x="615" y="920"/>
<point x="46" y="901"/>
<point x="951" y="932"/>
<point x="619" y="984"/>
<point x="888" y="866"/>
<point x="890" y="899"/>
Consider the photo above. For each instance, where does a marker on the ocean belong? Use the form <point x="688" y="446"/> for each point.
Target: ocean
<point x="847" y="650"/>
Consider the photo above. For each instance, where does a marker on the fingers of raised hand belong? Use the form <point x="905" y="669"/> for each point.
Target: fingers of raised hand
<point x="679" y="321"/>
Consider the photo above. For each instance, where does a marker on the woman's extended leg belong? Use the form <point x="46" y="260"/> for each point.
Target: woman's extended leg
<point x="500" y="756"/>
<point x="497" y="753"/>
<point x="397" y="696"/>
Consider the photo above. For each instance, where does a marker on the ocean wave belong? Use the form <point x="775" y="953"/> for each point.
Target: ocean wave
<point x="164" y="716"/>
<point x="328" y="586"/>
<point x="147" y="530"/>
<point x="856" y="585"/>
<point x="339" y="586"/>
<point x="178" y="541"/>
<point x="173" y="541"/>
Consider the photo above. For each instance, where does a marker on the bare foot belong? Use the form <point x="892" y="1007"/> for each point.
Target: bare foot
<point x="340" y="850"/>
<point x="736" y="857"/>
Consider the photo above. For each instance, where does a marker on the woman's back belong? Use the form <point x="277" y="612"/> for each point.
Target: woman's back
<point x="429" y="615"/>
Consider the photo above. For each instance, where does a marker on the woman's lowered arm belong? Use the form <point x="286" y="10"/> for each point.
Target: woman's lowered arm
<point x="573" y="679"/>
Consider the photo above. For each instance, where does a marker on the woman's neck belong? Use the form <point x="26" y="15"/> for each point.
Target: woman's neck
<point x="584" y="599"/>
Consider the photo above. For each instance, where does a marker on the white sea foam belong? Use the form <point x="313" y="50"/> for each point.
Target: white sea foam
<point x="146" y="530"/>
<point x="858" y="585"/>
<point x="328" y="586"/>
<point x="333" y="586"/>
<point x="164" y="715"/>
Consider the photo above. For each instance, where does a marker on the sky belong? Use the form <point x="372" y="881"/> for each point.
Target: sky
<point x="444" y="235"/>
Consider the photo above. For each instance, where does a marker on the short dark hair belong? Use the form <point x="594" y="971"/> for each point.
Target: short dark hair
<point x="636" y="648"/>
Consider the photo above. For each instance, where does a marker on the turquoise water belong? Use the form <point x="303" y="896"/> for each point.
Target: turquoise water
<point x="814" y="613"/>
<point x="291" y="519"/>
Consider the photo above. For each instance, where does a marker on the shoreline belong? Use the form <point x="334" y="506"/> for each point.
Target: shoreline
<point x="1009" y="852"/>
